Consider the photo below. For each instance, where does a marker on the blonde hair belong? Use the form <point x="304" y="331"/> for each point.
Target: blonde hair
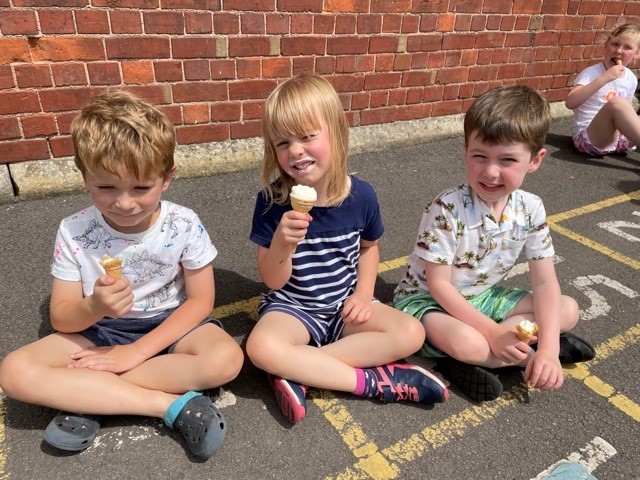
<point x="506" y="114"/>
<point x="121" y="134"/>
<point x="297" y="107"/>
<point x="627" y="30"/>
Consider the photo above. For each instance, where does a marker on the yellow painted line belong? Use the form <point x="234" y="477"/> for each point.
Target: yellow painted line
<point x="392" y="264"/>
<point x="616" y="344"/>
<point x="598" y="247"/>
<point x="617" y="399"/>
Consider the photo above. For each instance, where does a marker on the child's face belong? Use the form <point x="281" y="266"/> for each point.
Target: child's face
<point x="307" y="159"/>
<point x="495" y="171"/>
<point x="127" y="204"/>
<point x="623" y="48"/>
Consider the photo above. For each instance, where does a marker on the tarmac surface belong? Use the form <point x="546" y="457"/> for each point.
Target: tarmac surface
<point x="592" y="423"/>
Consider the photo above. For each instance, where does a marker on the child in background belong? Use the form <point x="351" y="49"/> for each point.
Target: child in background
<point x="470" y="237"/>
<point x="320" y="325"/>
<point x="143" y="344"/>
<point x="604" y="119"/>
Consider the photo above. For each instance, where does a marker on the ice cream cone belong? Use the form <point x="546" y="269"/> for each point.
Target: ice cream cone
<point x="618" y="61"/>
<point x="303" y="199"/>
<point x="525" y="330"/>
<point x="112" y="266"/>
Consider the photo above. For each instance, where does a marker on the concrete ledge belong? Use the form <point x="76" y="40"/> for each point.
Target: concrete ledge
<point x="51" y="177"/>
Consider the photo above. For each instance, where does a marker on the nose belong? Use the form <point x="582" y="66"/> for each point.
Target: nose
<point x="124" y="202"/>
<point x="492" y="170"/>
<point x="296" y="149"/>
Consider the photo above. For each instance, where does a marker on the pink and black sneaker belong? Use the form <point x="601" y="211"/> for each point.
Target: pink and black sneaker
<point x="291" y="398"/>
<point x="400" y="381"/>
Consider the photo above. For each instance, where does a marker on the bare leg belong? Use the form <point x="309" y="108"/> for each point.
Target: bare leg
<point x="617" y="115"/>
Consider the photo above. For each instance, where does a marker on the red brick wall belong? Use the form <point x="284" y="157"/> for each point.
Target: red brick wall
<point x="211" y="63"/>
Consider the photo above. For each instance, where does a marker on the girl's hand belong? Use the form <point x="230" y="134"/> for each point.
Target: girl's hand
<point x="615" y="72"/>
<point x="544" y="372"/>
<point x="356" y="309"/>
<point x="112" y="298"/>
<point x="116" y="359"/>
<point x="506" y="346"/>
<point x="292" y="227"/>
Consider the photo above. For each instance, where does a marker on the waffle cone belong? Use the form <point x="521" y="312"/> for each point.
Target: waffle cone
<point x="618" y="61"/>
<point x="524" y="334"/>
<point x="112" y="266"/>
<point x="302" y="206"/>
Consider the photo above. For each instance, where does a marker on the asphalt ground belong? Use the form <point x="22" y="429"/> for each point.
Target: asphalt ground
<point x="593" y="421"/>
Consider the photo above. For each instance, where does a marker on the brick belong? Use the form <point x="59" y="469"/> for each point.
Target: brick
<point x="156" y="94"/>
<point x="248" y="68"/>
<point x="209" y="5"/>
<point x="142" y="4"/>
<point x="50" y="3"/>
<point x="92" y="21"/>
<point x="452" y="58"/>
<point x="391" y="23"/>
<point x="138" y="72"/>
<point x="225" y="111"/>
<point x="64" y="120"/>
<point x="302" y="65"/>
<point x="379" y="99"/>
<point x="249" y="46"/>
<point x="168" y="71"/>
<point x="104" y="73"/>
<point x="451" y="107"/>
<point x="419" y="60"/>
<point x="402" y="62"/>
<point x="451" y="92"/>
<point x="515" y="39"/>
<point x="324" y="24"/>
<point x="414" y="95"/>
<point x="276" y="67"/>
<point x="368" y="24"/>
<point x="462" y="23"/>
<point x="198" y="22"/>
<point x="632" y="8"/>
<point x="249" y="129"/>
<point x="379" y="115"/>
<point x="252" y="109"/>
<point x="452" y="75"/>
<point x="277" y="23"/>
<point x="383" y="80"/>
<point x="125" y="48"/>
<point x="590" y="8"/>
<point x="360" y="101"/>
<point x="424" y="43"/>
<point x="384" y="62"/>
<point x="380" y="44"/>
<point x="65" y="74"/>
<point x="413" y="112"/>
<point x="511" y="71"/>
<point x="433" y="93"/>
<point x="163" y="22"/>
<point x="497" y="6"/>
<point x="195" y="113"/>
<point x="346" y="24"/>
<point x="9" y="128"/>
<point x="445" y="22"/>
<point x="527" y="6"/>
<point x="199" y="92"/>
<point x="416" y="79"/>
<point x="458" y="41"/>
<point x="346" y="6"/>
<point x="23" y="150"/>
<point x="300" y="5"/>
<point x="391" y="6"/>
<point x="428" y="23"/>
<point x="295" y="46"/>
<point x="124" y="21"/>
<point x="173" y="112"/>
<point x="466" y="6"/>
<point x="222" y="69"/>
<point x="38" y="125"/>
<point x="252" y="24"/>
<point x="65" y="99"/>
<point x="61" y="146"/>
<point x="508" y="23"/>
<point x="201" y="134"/>
<point x="301" y="23"/>
<point x="494" y="22"/>
<point x="411" y="24"/>
<point x="554" y="6"/>
<point x="56" y="21"/>
<point x="29" y="76"/>
<point x="325" y="65"/>
<point x="196" y="70"/>
<point x="226" y="23"/>
<point x="18" y="22"/>
<point x="347" y="83"/>
<point x="546" y="38"/>
<point x="344" y="45"/>
<point x="254" y="5"/>
<point x="245" y="89"/>
<point x="397" y="96"/>
<point x="60" y="49"/>
<point x="489" y="40"/>
<point x="14" y="50"/>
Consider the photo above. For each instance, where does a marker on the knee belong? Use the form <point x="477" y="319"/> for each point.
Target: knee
<point x="262" y="350"/>
<point x="15" y="372"/>
<point x="413" y="334"/>
<point x="229" y="361"/>
<point x="570" y="313"/>
<point x="467" y="348"/>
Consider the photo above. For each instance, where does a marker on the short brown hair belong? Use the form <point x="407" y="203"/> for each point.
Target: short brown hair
<point x="626" y="30"/>
<point x="122" y="133"/>
<point x="506" y="114"/>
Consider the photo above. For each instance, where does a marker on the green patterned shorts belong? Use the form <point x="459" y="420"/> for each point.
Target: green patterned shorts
<point x="496" y="302"/>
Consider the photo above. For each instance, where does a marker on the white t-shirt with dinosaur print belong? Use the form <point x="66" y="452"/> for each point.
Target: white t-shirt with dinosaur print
<point x="153" y="261"/>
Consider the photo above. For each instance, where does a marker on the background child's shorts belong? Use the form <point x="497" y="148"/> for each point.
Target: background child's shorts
<point x="582" y="143"/>
<point x="124" y="331"/>
<point x="496" y="302"/>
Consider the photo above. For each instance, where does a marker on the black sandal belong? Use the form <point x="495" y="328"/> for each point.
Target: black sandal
<point x="72" y="431"/>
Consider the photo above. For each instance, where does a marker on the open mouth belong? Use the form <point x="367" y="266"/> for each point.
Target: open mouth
<point x="303" y="166"/>
<point x="616" y="61"/>
<point x="490" y="188"/>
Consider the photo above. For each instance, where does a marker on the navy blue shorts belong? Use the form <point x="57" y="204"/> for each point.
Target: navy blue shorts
<point x="124" y="331"/>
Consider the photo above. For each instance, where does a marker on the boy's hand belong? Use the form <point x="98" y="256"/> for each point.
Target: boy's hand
<point x="292" y="227"/>
<point x="112" y="298"/>
<point x="506" y="346"/>
<point x="356" y="309"/>
<point x="116" y="359"/>
<point x="544" y="372"/>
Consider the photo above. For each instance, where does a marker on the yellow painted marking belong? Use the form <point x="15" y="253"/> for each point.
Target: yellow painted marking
<point x="617" y="399"/>
<point x="553" y="220"/>
<point x="249" y="307"/>
<point x="392" y="264"/>
<point x="616" y="344"/>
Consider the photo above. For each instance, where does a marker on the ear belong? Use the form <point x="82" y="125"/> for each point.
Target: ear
<point x="167" y="178"/>
<point x="536" y="161"/>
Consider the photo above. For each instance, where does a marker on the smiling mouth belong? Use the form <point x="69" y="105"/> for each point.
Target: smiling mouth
<point x="302" y="166"/>
<point x="490" y="188"/>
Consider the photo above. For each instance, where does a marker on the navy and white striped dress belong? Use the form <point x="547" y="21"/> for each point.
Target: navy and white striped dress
<point x="325" y="263"/>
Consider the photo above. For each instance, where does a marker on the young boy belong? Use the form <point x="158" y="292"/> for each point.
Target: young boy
<point x="143" y="344"/>
<point x="604" y="119"/>
<point x="470" y="237"/>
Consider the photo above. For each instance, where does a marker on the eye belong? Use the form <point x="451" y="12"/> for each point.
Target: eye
<point x="143" y="188"/>
<point x="280" y="144"/>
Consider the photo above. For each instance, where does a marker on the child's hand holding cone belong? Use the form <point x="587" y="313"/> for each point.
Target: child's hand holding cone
<point x="112" y="266"/>
<point x="303" y="199"/>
